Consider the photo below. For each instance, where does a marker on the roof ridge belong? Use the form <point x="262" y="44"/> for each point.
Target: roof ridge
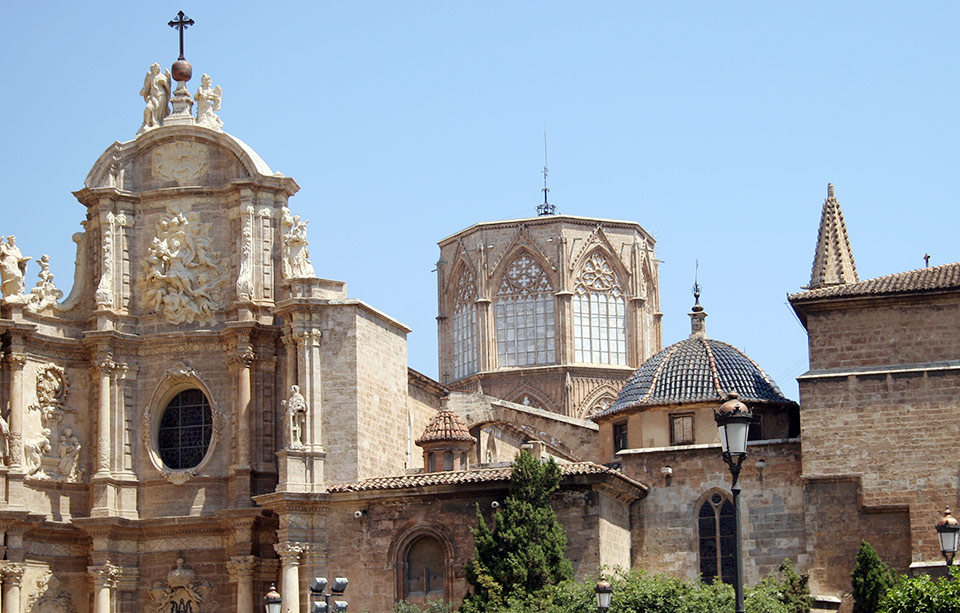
<point x="668" y="353"/>
<point x="713" y="366"/>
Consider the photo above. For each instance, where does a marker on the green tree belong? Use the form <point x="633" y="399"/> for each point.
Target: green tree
<point x="523" y="552"/>
<point x="871" y="579"/>
<point x="783" y="591"/>
<point x="923" y="595"/>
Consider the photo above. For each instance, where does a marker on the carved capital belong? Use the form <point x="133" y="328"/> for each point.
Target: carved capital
<point x="241" y="567"/>
<point x="106" y="365"/>
<point x="17" y="360"/>
<point x="105" y="575"/>
<point x="12" y="572"/>
<point x="310" y="337"/>
<point x="245" y="357"/>
<point x="289" y="552"/>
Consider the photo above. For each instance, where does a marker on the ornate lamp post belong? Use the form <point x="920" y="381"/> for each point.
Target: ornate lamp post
<point x="272" y="601"/>
<point x="733" y="419"/>
<point x="604" y="592"/>
<point x="318" y="585"/>
<point x="948" y="529"/>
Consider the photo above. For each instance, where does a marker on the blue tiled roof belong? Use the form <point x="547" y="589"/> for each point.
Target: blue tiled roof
<point x="697" y="369"/>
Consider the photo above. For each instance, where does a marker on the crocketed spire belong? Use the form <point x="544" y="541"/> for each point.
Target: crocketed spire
<point x="833" y="261"/>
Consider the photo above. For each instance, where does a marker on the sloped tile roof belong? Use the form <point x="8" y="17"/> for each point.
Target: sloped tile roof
<point x="445" y="426"/>
<point x="931" y="279"/>
<point x="697" y="369"/>
<point x="475" y="475"/>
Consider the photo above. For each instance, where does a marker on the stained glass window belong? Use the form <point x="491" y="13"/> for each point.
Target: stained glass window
<point x="525" y="315"/>
<point x="717" y="540"/>
<point x="465" y="325"/>
<point x="185" y="429"/>
<point x="599" y="314"/>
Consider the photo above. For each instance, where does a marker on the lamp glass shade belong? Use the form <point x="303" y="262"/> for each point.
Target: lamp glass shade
<point x="736" y="436"/>
<point x="272" y="606"/>
<point x="723" y="438"/>
<point x="603" y="599"/>
<point x="948" y="539"/>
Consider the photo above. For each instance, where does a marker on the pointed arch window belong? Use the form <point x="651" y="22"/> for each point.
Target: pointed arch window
<point x="599" y="314"/>
<point x="717" y="539"/>
<point x="424" y="571"/>
<point x="525" y="315"/>
<point x="465" y="325"/>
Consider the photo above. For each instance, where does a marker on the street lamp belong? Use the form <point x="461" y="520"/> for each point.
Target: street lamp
<point x="733" y="420"/>
<point x="318" y="585"/>
<point x="948" y="529"/>
<point x="272" y="601"/>
<point x="604" y="591"/>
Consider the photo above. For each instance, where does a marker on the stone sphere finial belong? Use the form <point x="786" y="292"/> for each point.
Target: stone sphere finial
<point x="181" y="71"/>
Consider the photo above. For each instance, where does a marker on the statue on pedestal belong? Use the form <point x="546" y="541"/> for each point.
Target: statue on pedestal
<point x="208" y="101"/>
<point x="156" y="93"/>
<point x="296" y="417"/>
<point x="13" y="268"/>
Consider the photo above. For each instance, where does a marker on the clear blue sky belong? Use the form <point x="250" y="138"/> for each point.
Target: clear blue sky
<point x="714" y="125"/>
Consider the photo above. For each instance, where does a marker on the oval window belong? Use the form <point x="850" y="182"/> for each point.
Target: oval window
<point x="185" y="430"/>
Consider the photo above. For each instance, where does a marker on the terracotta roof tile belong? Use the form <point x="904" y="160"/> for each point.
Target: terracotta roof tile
<point x="931" y="279"/>
<point x="476" y="475"/>
<point x="445" y="426"/>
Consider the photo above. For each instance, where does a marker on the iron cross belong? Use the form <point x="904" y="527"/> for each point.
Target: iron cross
<point x="181" y="24"/>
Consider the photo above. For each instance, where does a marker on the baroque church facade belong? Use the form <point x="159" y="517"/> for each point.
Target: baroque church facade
<point x="166" y="426"/>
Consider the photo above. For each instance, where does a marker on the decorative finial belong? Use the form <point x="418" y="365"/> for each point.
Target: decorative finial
<point x="830" y="190"/>
<point x="698" y="324"/>
<point x="926" y="260"/>
<point x="696" y="288"/>
<point x="181" y="69"/>
<point x="546" y="208"/>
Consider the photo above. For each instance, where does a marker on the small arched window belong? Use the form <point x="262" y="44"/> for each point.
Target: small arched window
<point x="599" y="314"/>
<point x="424" y="571"/>
<point x="185" y="428"/>
<point x="465" y="325"/>
<point x="525" y="315"/>
<point x="717" y="539"/>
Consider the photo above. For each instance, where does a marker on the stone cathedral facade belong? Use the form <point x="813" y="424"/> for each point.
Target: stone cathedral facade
<point x="204" y="415"/>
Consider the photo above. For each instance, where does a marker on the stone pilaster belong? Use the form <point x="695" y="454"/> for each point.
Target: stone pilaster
<point x="16" y="362"/>
<point x="104" y="581"/>
<point x="289" y="552"/>
<point x="240" y="570"/>
<point x="104" y="371"/>
<point x="12" y="579"/>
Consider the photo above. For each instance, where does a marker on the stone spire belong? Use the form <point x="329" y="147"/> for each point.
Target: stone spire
<point x="833" y="261"/>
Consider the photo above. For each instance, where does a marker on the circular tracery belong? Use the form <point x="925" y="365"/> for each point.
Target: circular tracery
<point x="185" y="430"/>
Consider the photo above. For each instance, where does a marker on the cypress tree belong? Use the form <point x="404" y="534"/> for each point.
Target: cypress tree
<point x="871" y="579"/>
<point x="524" y="551"/>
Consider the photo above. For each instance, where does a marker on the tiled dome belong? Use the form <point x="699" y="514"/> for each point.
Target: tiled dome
<point x="697" y="369"/>
<point x="445" y="426"/>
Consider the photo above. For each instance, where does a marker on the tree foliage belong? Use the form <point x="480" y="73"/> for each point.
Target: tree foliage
<point x="524" y="550"/>
<point x="923" y="595"/>
<point x="783" y="591"/>
<point x="871" y="579"/>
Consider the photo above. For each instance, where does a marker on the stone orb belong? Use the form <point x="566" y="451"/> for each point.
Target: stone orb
<point x="181" y="71"/>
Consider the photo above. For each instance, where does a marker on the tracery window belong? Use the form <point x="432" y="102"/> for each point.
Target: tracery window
<point x="599" y="314"/>
<point x="186" y="426"/>
<point x="717" y="540"/>
<point x="423" y="571"/>
<point x="465" y="325"/>
<point x="525" y="315"/>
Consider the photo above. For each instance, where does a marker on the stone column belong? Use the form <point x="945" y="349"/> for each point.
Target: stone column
<point x="240" y="569"/>
<point x="104" y="580"/>
<point x="245" y="358"/>
<point x="17" y="361"/>
<point x="105" y="368"/>
<point x="12" y="577"/>
<point x="291" y="373"/>
<point x="289" y="552"/>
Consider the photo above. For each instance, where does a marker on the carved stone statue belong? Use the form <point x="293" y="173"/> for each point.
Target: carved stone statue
<point x="13" y="268"/>
<point x="295" y="410"/>
<point x="69" y="452"/>
<point x="34" y="449"/>
<point x="4" y="440"/>
<point x="208" y="101"/>
<point x="180" y="278"/>
<point x="296" y="257"/>
<point x="45" y="293"/>
<point x="156" y="93"/>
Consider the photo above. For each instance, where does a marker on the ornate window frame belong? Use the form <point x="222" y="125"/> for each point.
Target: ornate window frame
<point x="600" y="318"/>
<point x="525" y="304"/>
<point x="707" y="500"/>
<point x="179" y="378"/>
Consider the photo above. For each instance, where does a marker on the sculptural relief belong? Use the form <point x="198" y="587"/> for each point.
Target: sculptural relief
<point x="69" y="451"/>
<point x="180" y="278"/>
<point x="13" y="269"/>
<point x="34" y="448"/>
<point x="295" y="410"/>
<point x="50" y="453"/>
<point x="183" y="592"/>
<point x="183" y="162"/>
<point x="208" y="101"/>
<point x="49" y="596"/>
<point x="296" y="257"/>
<point x="156" y="95"/>
<point x="45" y="294"/>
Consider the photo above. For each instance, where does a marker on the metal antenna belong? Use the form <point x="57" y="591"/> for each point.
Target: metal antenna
<point x="546" y="208"/>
